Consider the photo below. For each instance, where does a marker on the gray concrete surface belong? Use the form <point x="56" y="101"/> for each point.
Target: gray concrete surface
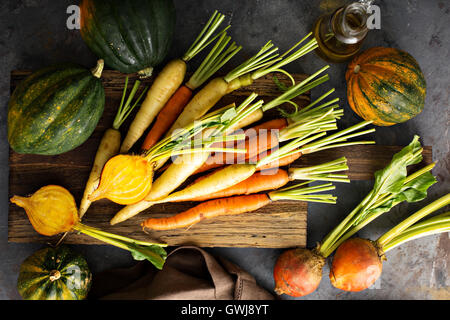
<point x="34" y="34"/>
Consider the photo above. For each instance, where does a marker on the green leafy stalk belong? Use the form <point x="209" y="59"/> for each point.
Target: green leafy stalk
<point x="324" y="120"/>
<point x="334" y="140"/>
<point x="265" y="56"/>
<point x="140" y="250"/>
<point x="201" y="41"/>
<point x="413" y="191"/>
<point x="267" y="61"/>
<point x="391" y="187"/>
<point x="301" y="113"/>
<point x="405" y="224"/>
<point x="321" y="172"/>
<point x="296" y="192"/>
<point x="216" y="59"/>
<point x="286" y="58"/>
<point x="306" y="143"/>
<point x="435" y="225"/>
<point x="298" y="89"/>
<point x="125" y="108"/>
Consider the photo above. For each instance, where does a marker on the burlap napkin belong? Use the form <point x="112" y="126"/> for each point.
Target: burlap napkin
<point x="189" y="273"/>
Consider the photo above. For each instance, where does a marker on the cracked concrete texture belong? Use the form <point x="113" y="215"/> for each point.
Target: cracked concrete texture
<point x="34" y="34"/>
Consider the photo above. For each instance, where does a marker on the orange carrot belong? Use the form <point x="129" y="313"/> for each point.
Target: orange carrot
<point x="250" y="132"/>
<point x="167" y="116"/>
<point x="254" y="146"/>
<point x="285" y="161"/>
<point x="240" y="204"/>
<point x="258" y="182"/>
<point x="275" y="178"/>
<point x="279" y="124"/>
<point x="209" y="209"/>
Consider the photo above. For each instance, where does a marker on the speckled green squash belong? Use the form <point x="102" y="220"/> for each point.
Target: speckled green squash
<point x="55" y="109"/>
<point x="385" y="85"/>
<point x="54" y="274"/>
<point x="131" y="36"/>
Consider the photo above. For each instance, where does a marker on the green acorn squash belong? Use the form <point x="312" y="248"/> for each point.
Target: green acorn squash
<point x="55" y="109"/>
<point x="54" y="274"/>
<point x="385" y="85"/>
<point x="131" y="36"/>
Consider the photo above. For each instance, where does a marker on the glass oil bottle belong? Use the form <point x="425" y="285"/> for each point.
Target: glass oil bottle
<point x="340" y="35"/>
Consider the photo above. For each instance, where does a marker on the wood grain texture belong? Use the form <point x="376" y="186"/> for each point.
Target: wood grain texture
<point x="278" y="225"/>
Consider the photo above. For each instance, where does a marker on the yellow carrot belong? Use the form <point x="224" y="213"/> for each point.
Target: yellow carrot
<point x="164" y="86"/>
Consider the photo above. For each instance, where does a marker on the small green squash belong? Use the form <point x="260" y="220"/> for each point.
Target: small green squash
<point x="54" y="274"/>
<point x="385" y="85"/>
<point x="131" y="36"/>
<point x="55" y="109"/>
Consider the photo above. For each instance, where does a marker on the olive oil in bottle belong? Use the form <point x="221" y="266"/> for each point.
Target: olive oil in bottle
<point x="340" y="35"/>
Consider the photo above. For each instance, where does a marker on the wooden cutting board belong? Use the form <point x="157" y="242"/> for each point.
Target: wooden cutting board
<point x="278" y="225"/>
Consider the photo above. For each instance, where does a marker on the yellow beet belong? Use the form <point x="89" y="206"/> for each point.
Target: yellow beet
<point x="51" y="210"/>
<point x="125" y="180"/>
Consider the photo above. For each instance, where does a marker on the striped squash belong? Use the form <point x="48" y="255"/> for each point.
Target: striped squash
<point x="131" y="36"/>
<point x="385" y="85"/>
<point x="55" y="109"/>
<point x="54" y="274"/>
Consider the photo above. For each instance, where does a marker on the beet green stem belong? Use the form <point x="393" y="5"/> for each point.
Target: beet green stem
<point x="402" y="226"/>
<point x="438" y="224"/>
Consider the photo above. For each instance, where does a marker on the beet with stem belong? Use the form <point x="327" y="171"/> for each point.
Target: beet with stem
<point x="357" y="263"/>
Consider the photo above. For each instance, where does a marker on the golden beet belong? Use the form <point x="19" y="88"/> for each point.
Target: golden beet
<point x="125" y="179"/>
<point x="356" y="265"/>
<point x="51" y="210"/>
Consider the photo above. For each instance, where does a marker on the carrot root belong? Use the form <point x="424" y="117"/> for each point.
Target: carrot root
<point x="167" y="116"/>
<point x="208" y="210"/>
<point x="164" y="86"/>
<point x="285" y="161"/>
<point x="258" y="182"/>
<point x="219" y="180"/>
